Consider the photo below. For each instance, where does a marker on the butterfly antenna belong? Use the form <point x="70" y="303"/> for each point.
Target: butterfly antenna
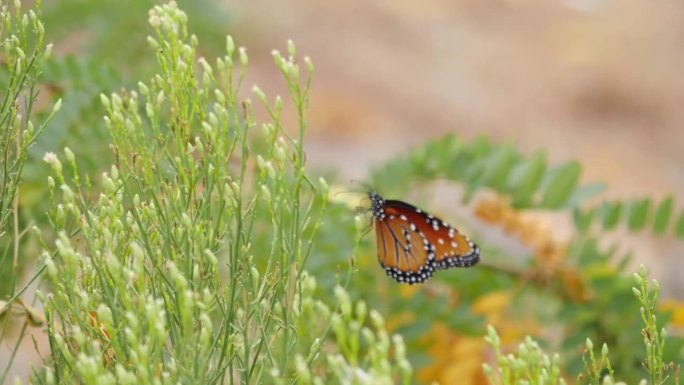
<point x="345" y="192"/>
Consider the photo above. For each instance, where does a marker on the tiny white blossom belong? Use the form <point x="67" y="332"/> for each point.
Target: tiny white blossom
<point x="154" y="19"/>
<point x="50" y="157"/>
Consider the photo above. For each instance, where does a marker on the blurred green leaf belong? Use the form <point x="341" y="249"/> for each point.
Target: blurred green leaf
<point x="662" y="215"/>
<point x="475" y="171"/>
<point x="526" y="177"/>
<point x="585" y="192"/>
<point x="679" y="228"/>
<point x="610" y="213"/>
<point x="638" y="213"/>
<point x="583" y="219"/>
<point x="499" y="164"/>
<point x="561" y="185"/>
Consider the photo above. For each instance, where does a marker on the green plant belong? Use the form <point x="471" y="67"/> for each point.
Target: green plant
<point x="88" y="60"/>
<point x="654" y="334"/>
<point x="657" y="366"/>
<point x="635" y="214"/>
<point x="562" y="281"/>
<point x="188" y="267"/>
<point x="531" y="366"/>
<point x="109" y="22"/>
<point x="597" y="371"/>
<point x="193" y="257"/>
<point x="528" y="180"/>
<point x="24" y="52"/>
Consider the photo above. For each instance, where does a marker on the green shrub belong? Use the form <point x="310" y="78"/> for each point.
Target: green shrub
<point x="531" y="366"/>
<point x="24" y="52"/>
<point x="207" y="253"/>
<point x="188" y="266"/>
<point x="562" y="282"/>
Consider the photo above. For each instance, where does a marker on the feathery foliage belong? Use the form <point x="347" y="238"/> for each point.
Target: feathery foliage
<point x="188" y="267"/>
<point x="530" y="365"/>
<point x="24" y="52"/>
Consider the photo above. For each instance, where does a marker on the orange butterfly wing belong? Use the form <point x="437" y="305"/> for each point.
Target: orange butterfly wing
<point x="412" y="245"/>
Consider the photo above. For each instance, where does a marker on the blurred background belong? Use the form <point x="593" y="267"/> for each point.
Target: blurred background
<point x="589" y="80"/>
<point x="597" y="80"/>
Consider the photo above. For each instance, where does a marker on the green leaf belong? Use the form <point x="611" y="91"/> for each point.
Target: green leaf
<point x="475" y="161"/>
<point x="561" y="185"/>
<point x="429" y="160"/>
<point x="526" y="177"/>
<point x="475" y="172"/>
<point x="662" y="215"/>
<point x="586" y="192"/>
<point x="481" y="146"/>
<point x="638" y="212"/>
<point x="679" y="228"/>
<point x="610" y="212"/>
<point x="583" y="219"/>
<point x="499" y="164"/>
<point x="477" y="156"/>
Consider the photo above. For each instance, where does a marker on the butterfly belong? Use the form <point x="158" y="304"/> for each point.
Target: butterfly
<point x="413" y="244"/>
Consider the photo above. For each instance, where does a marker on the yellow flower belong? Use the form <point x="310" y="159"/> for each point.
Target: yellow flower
<point x="677" y="309"/>
<point x="457" y="358"/>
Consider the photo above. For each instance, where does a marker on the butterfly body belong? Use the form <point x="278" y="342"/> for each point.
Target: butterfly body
<point x="412" y="244"/>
